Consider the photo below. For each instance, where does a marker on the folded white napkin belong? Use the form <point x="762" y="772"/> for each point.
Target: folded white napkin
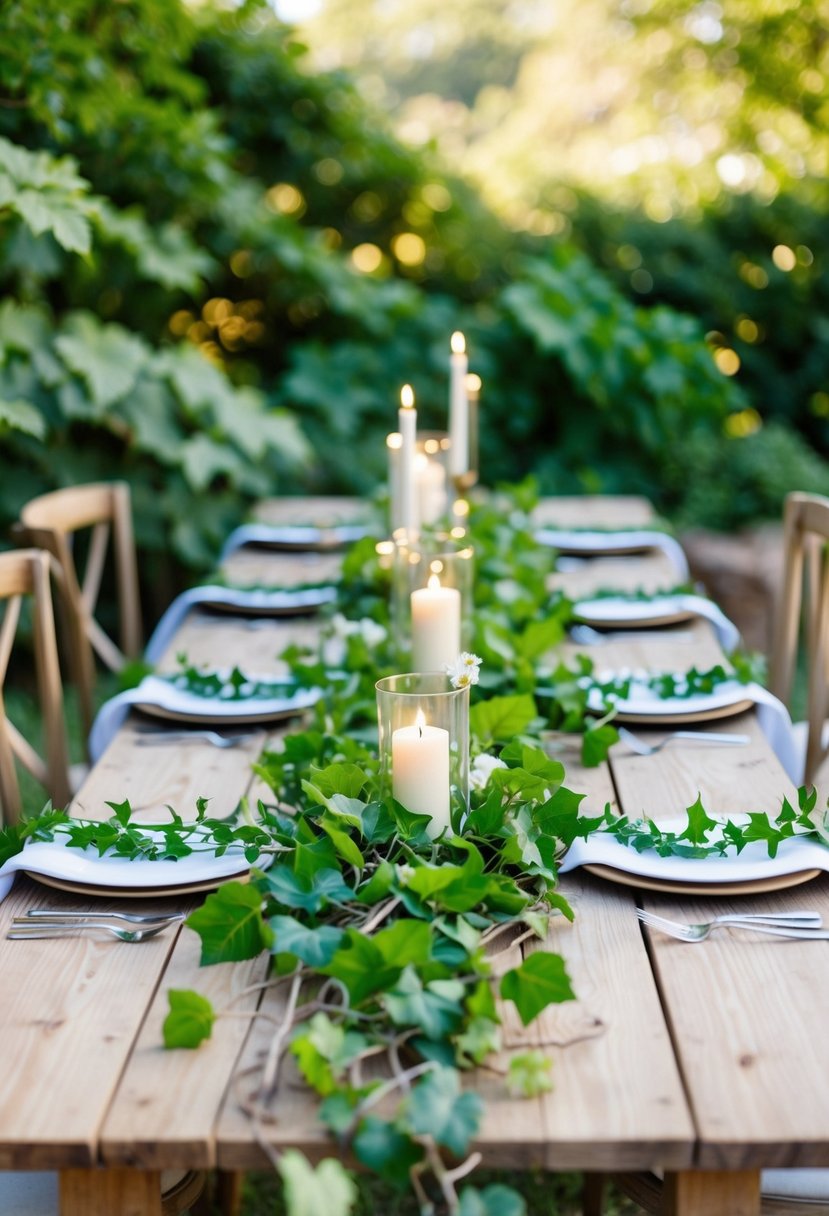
<point x="297" y="599"/>
<point x="587" y="542"/>
<point x="640" y="612"/>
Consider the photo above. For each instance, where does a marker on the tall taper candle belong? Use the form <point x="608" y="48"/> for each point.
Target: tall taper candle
<point x="407" y="423"/>
<point x="458" y="407"/>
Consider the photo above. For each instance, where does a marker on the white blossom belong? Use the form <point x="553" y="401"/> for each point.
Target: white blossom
<point x="482" y="769"/>
<point x="464" y="671"/>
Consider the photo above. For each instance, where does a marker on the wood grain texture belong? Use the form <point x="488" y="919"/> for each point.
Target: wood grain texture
<point x="70" y="1012"/>
<point x="164" y="1112"/>
<point x="110" y="1193"/>
<point x="748" y="1017"/>
<point x="712" y="1194"/>
<point x="604" y="511"/>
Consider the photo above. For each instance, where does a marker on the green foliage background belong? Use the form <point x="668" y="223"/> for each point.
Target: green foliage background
<point x="209" y="289"/>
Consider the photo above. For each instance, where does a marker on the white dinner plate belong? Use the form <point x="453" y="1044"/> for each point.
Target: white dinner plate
<point x="644" y="706"/>
<point x="83" y="870"/>
<point x="165" y="699"/>
<point x="262" y="601"/>
<point x="752" y="870"/>
<point x="622" y="612"/>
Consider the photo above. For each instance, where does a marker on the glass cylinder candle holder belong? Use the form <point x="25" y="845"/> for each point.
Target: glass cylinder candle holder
<point x="432" y="477"/>
<point x="423" y="725"/>
<point x="432" y="584"/>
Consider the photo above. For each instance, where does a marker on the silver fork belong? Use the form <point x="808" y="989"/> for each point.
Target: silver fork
<point x="150" y="738"/>
<point x="21" y="930"/>
<point x="701" y="736"/>
<point x="802" y="925"/>
<point x="128" y="919"/>
<point x="586" y="635"/>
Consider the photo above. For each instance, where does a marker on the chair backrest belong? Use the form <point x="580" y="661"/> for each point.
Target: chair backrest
<point x="51" y="522"/>
<point x="25" y="574"/>
<point x="804" y="608"/>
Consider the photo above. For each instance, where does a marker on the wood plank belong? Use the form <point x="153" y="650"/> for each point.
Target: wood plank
<point x="110" y="1193"/>
<point x="70" y="1013"/>
<point x="258" y="566"/>
<point x="165" y="1109"/>
<point x="323" y="510"/>
<point x="749" y="1020"/>
<point x="712" y="1193"/>
<point x="595" y="511"/>
<point x="582" y="577"/>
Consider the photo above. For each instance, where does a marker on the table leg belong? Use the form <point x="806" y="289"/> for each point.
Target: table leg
<point x="712" y="1193"/>
<point x="110" y="1192"/>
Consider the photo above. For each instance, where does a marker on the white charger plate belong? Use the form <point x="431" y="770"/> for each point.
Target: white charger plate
<point x="165" y="700"/>
<point x="642" y="705"/>
<point x="620" y="612"/>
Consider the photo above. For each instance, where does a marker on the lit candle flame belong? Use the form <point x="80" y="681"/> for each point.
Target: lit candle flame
<point x="407" y="397"/>
<point x="420" y="721"/>
<point x="458" y="343"/>
<point x="434" y="583"/>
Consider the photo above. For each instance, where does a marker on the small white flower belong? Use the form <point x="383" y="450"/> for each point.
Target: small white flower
<point x="482" y="769"/>
<point x="464" y="671"/>
<point x="373" y="634"/>
<point x="404" y="873"/>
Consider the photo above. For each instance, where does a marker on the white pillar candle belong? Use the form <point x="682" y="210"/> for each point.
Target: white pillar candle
<point x="393" y="444"/>
<point x="436" y="626"/>
<point x="420" y="771"/>
<point x="407" y="422"/>
<point x="430" y="477"/>
<point x="458" y="407"/>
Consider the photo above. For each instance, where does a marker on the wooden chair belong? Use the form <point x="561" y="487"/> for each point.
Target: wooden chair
<point x="789" y="1192"/>
<point x="805" y="609"/>
<point x="24" y="574"/>
<point x="51" y="522"/>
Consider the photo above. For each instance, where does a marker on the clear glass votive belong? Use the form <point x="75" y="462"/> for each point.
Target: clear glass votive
<point x="432" y="478"/>
<point x="423" y="725"/>
<point x="432" y="584"/>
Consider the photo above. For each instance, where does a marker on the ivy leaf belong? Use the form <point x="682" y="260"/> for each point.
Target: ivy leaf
<point x="19" y="415"/>
<point x="479" y="1039"/>
<point x="436" y="1008"/>
<point x="541" y="980"/>
<point x="346" y="779"/>
<point x="500" y="719"/>
<point x="495" y="1200"/>
<point x="190" y="1020"/>
<point x="699" y="825"/>
<point x="108" y="358"/>
<point x="308" y="892"/>
<point x="361" y="966"/>
<point x="316" y="947"/>
<point x="539" y="637"/>
<point x="437" y="1107"/>
<point x="230" y="924"/>
<point x="596" y="743"/>
<point x="405" y="942"/>
<point x="529" y="1074"/>
<point x="386" y="1150"/>
<point x="329" y="1188"/>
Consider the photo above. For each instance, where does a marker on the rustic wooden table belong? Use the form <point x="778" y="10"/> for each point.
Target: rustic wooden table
<point x="708" y="1062"/>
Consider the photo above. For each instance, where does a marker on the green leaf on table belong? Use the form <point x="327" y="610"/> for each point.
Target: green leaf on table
<point x="190" y="1020"/>
<point x="500" y="719"/>
<point x="308" y="1191"/>
<point x="529" y="1074"/>
<point x="480" y="1038"/>
<point x="324" y="1049"/>
<point x="539" y="637"/>
<point x="345" y="846"/>
<point x="438" y="1107"/>
<point x="316" y="947"/>
<point x="386" y="1150"/>
<point x="596" y="743"/>
<point x="20" y="415"/>
<point x="494" y="1200"/>
<point x="436" y="1007"/>
<point x="361" y="966"/>
<point x="346" y="779"/>
<point x="230" y="924"/>
<point x="405" y="942"/>
<point x="310" y="892"/>
<point x="541" y="980"/>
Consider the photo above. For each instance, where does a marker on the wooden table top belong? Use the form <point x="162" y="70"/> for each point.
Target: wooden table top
<point x="706" y="1061"/>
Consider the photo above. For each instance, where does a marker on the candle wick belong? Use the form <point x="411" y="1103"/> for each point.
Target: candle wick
<point x="420" y="732"/>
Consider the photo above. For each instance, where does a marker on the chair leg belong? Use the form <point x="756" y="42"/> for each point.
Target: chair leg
<point x="592" y="1194"/>
<point x="228" y="1192"/>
